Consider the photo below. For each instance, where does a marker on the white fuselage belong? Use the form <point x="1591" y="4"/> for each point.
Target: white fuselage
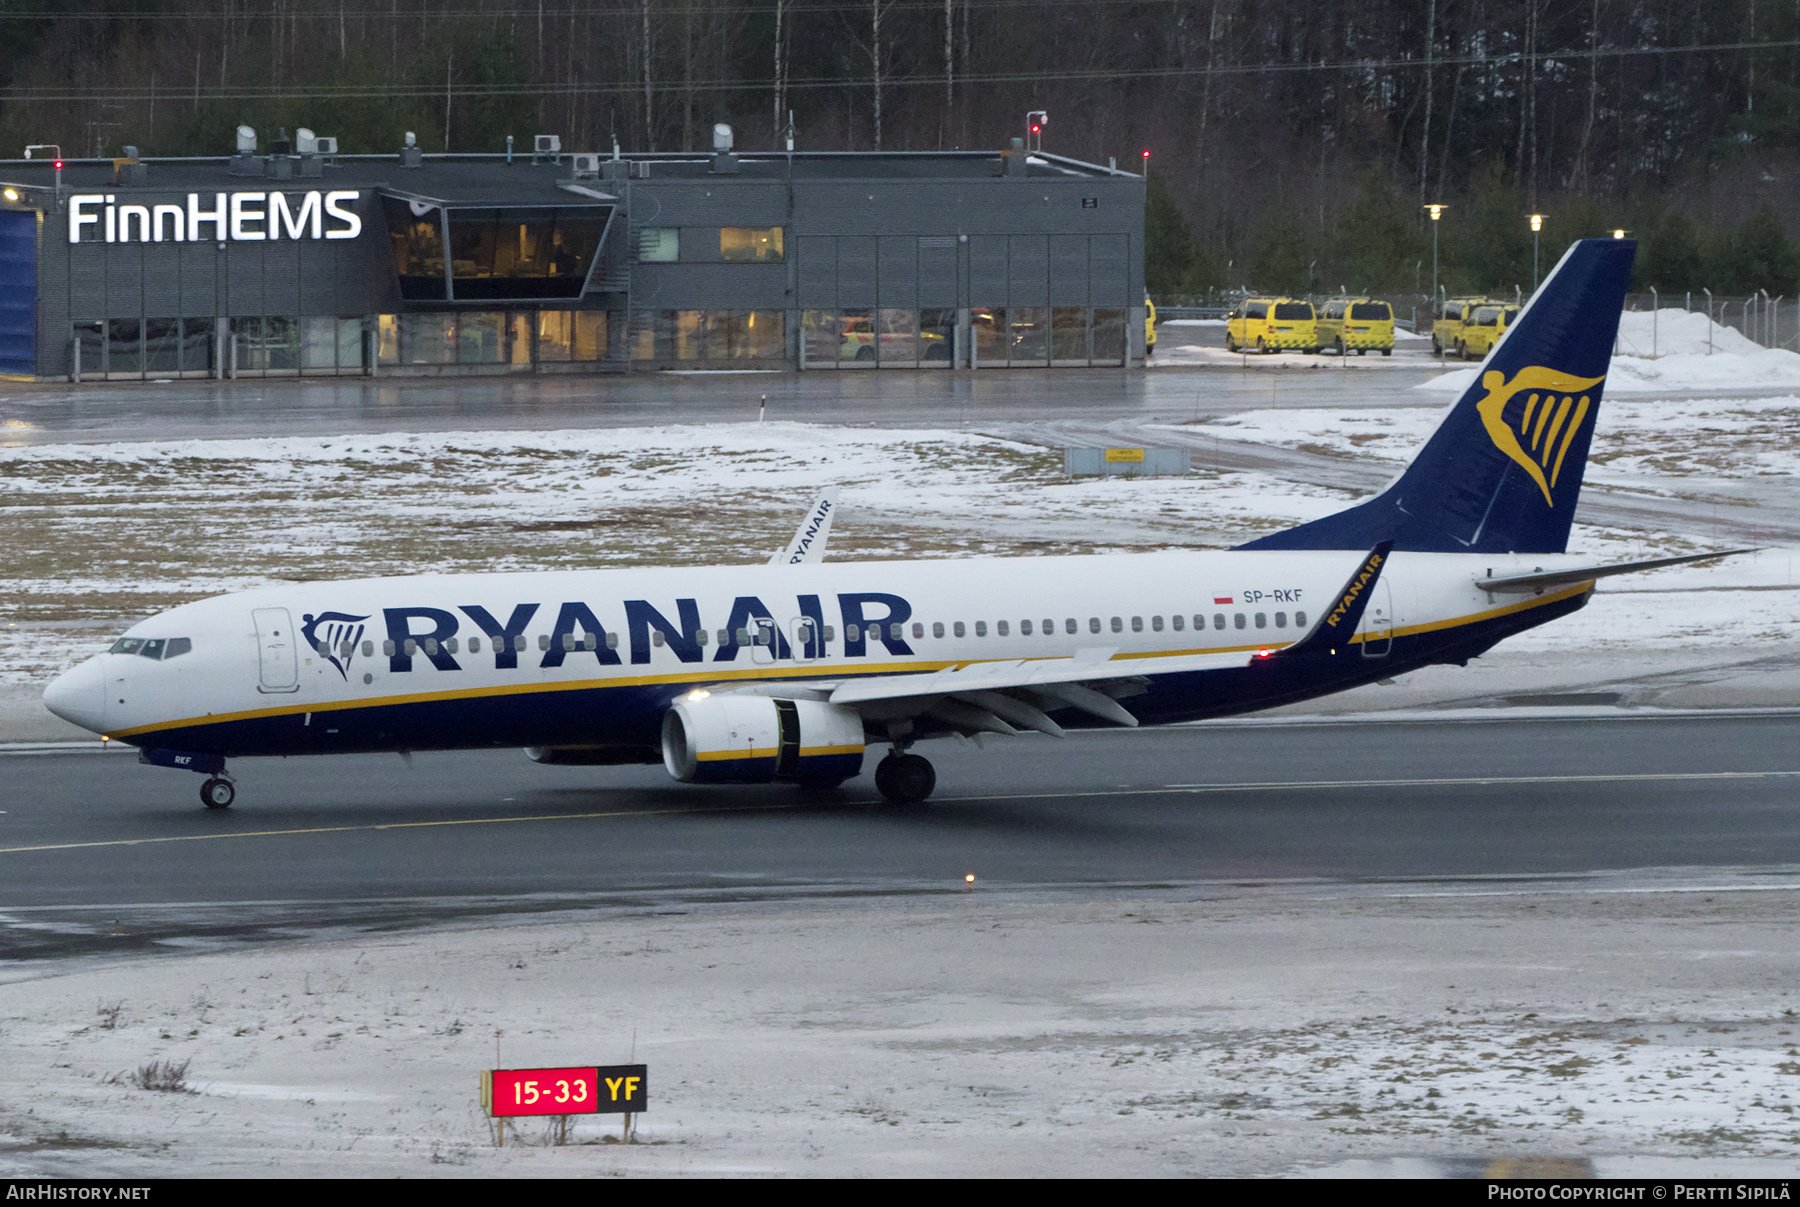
<point x="486" y="653"/>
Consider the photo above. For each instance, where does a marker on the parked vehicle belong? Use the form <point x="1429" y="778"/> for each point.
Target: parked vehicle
<point x="1149" y="326"/>
<point x="1357" y="323"/>
<point x="1484" y="329"/>
<point x="1452" y="317"/>
<point x="1271" y="324"/>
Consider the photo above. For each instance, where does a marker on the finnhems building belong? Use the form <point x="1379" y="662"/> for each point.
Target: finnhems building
<point x="298" y="264"/>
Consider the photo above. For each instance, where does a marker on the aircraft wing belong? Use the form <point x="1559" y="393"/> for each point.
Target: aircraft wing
<point x="809" y="540"/>
<point x="1007" y="697"/>
<point x="1543" y="579"/>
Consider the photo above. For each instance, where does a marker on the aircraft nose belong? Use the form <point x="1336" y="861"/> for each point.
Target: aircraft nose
<point x="78" y="695"/>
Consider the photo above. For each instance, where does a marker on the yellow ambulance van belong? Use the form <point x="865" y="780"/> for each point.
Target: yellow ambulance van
<point x="1357" y="323"/>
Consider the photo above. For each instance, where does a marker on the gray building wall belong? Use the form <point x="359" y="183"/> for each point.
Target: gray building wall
<point x="922" y="239"/>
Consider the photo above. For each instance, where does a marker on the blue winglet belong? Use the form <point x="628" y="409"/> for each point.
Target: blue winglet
<point x="1502" y="472"/>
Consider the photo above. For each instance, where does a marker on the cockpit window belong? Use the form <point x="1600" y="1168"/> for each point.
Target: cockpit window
<point x="156" y="648"/>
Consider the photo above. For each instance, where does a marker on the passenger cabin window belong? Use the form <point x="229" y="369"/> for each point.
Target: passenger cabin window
<point x="981" y="628"/>
<point x="1262" y="620"/>
<point x="1137" y="624"/>
<point x="1175" y="623"/>
<point x="1070" y="626"/>
<point x="937" y="628"/>
<point x="957" y="628"/>
<point x="1218" y="620"/>
<point x="1237" y="619"/>
<point x="1156" y="624"/>
<point x="1299" y="620"/>
<point x="1001" y="628"/>
<point x="1024" y="628"/>
<point x="1118" y="624"/>
<point x="474" y="645"/>
<point x="1281" y="620"/>
<point x="918" y="629"/>
<point x="1049" y="628"/>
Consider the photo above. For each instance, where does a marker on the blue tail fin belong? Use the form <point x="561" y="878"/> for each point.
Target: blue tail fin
<point x="1503" y="470"/>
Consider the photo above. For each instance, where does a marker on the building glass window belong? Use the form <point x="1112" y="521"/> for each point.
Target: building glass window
<point x="589" y="335"/>
<point x="162" y="346"/>
<point x="555" y="335"/>
<point x="989" y="326"/>
<point x="523" y="253"/>
<point x="428" y="339"/>
<point x="659" y="244"/>
<point x="90" y="341"/>
<point x="350" y="343"/>
<point x="387" y="339"/>
<point x="747" y="243"/>
<point x="480" y="337"/>
<point x="1029" y="327"/>
<point x="124" y="346"/>
<point x="1109" y="337"/>
<point x="937" y="338"/>
<point x="318" y="345"/>
<point x="1069" y="335"/>
<point x="417" y="235"/>
<point x="197" y="346"/>
<point x="898" y="346"/>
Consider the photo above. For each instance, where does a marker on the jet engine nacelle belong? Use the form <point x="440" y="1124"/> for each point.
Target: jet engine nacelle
<point x="743" y="739"/>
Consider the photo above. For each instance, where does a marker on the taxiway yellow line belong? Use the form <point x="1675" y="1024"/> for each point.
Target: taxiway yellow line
<point x="391" y="825"/>
<point x="1183" y="789"/>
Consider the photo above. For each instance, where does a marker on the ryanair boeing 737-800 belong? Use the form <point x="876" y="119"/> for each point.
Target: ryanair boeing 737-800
<point x="786" y="672"/>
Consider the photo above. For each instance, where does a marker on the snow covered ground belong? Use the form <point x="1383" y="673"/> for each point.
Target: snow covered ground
<point x="1206" y="1030"/>
<point x="101" y="534"/>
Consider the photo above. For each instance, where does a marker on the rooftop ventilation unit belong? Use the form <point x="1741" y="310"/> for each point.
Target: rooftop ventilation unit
<point x="305" y="142"/>
<point x="410" y="155"/>
<point x="546" y="146"/>
<point x="723" y="160"/>
<point x="585" y="167"/>
<point x="245" y="163"/>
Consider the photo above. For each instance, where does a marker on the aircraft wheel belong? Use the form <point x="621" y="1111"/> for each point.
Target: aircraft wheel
<point x="216" y="793"/>
<point x="905" y="779"/>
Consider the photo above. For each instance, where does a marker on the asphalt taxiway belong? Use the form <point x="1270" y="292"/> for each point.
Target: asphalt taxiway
<point x="98" y="853"/>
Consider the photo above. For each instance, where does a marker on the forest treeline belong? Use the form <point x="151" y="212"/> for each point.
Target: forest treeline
<point x="1296" y="140"/>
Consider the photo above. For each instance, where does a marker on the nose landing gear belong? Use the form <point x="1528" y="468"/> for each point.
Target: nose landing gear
<point x="217" y="793"/>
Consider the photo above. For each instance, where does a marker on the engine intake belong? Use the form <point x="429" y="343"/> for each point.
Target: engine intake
<point x="734" y="739"/>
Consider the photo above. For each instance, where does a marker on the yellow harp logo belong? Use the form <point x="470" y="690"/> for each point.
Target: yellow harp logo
<point x="1538" y="430"/>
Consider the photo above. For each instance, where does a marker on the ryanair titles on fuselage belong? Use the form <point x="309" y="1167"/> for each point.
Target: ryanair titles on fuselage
<point x="415" y="633"/>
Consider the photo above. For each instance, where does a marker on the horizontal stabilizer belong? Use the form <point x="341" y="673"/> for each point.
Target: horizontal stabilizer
<point x="1544" y="579"/>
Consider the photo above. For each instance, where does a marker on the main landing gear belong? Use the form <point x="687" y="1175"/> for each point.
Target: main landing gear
<point x="905" y="779"/>
<point x="217" y="793"/>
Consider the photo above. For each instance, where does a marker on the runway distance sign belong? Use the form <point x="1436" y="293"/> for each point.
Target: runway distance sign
<point x="589" y="1090"/>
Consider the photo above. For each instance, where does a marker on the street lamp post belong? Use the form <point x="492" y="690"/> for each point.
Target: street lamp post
<point x="1537" y="227"/>
<point x="1437" y="211"/>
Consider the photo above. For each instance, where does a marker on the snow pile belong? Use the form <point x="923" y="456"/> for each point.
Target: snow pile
<point x="1672" y="331"/>
<point x="1682" y="361"/>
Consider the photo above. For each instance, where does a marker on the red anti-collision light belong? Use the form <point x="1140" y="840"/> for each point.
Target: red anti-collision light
<point x="59" y="165"/>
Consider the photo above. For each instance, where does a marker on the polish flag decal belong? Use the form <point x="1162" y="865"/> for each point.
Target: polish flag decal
<point x="1221" y="600"/>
